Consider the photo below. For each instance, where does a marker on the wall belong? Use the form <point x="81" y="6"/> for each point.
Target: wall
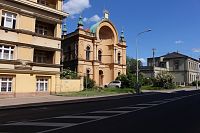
<point x="71" y="85"/>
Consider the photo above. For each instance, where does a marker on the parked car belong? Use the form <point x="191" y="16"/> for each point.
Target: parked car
<point x="115" y="83"/>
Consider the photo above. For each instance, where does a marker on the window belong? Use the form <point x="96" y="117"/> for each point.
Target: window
<point x="5" y="84"/>
<point x="189" y="65"/>
<point x="100" y="56"/>
<point x="176" y="64"/>
<point x="88" y="73"/>
<point x="8" y="20"/>
<point x="42" y="2"/>
<point x="119" y="73"/>
<point x="41" y="29"/>
<point x="43" y="56"/>
<point x="162" y="65"/>
<point x="88" y="53"/>
<point x="42" y="84"/>
<point x="6" y="52"/>
<point x="119" y="58"/>
<point x="49" y="3"/>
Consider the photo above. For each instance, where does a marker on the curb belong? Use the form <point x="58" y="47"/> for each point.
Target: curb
<point x="32" y="105"/>
<point x="83" y="100"/>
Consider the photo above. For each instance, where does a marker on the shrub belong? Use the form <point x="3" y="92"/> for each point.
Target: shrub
<point x="194" y="83"/>
<point x="147" y="81"/>
<point x="164" y="80"/>
<point x="169" y="86"/>
<point x="68" y="74"/>
<point x="89" y="83"/>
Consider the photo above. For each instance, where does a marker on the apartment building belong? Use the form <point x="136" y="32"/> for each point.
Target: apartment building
<point x="30" y="46"/>
<point x="185" y="69"/>
<point x="98" y="52"/>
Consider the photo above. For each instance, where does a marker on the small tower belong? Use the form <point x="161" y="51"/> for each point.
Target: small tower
<point x="106" y="14"/>
<point x="64" y="30"/>
<point x="122" y="38"/>
<point x="80" y="23"/>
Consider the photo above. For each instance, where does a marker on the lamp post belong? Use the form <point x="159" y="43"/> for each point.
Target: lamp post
<point x="137" y="71"/>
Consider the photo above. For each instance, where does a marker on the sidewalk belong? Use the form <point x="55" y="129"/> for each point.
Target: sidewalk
<point x="24" y="102"/>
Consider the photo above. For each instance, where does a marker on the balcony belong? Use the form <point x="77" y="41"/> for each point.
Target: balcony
<point x="44" y="57"/>
<point x="48" y="3"/>
<point x="45" y="29"/>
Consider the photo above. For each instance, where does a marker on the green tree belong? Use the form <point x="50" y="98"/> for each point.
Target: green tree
<point x="132" y="65"/>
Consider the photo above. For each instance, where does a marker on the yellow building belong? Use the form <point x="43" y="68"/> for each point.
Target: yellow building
<point x="97" y="52"/>
<point x="30" y="46"/>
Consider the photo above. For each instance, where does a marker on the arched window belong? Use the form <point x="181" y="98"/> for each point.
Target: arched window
<point x="100" y="56"/>
<point x="119" y="73"/>
<point x="88" y="73"/>
<point x="88" y="53"/>
<point x="119" y="58"/>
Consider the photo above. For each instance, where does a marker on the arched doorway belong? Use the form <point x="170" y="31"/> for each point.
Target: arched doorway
<point x="101" y="78"/>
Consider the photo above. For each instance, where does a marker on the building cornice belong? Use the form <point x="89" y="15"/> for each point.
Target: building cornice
<point x="31" y="14"/>
<point x="14" y="62"/>
<point x="41" y="7"/>
<point x="27" y="71"/>
<point x="45" y="65"/>
<point x="29" y="45"/>
<point x="19" y="62"/>
<point x="29" y="33"/>
<point x="120" y="45"/>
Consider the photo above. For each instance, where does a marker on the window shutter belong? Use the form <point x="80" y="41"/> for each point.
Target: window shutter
<point x="14" y="24"/>
<point x="2" y="21"/>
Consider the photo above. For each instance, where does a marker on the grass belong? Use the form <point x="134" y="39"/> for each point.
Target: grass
<point x="160" y="88"/>
<point x="95" y="92"/>
<point x="107" y="91"/>
<point x="151" y="88"/>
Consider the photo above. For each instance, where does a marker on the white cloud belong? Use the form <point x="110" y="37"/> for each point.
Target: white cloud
<point x="74" y="7"/>
<point x="179" y="42"/>
<point x="94" y="18"/>
<point x="143" y="60"/>
<point x="196" y="50"/>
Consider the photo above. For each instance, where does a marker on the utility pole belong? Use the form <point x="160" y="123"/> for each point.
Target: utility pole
<point x="154" y="62"/>
<point x="197" y="81"/>
<point x="137" y="71"/>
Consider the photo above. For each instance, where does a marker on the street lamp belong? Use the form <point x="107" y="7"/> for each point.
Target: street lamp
<point x="137" y="71"/>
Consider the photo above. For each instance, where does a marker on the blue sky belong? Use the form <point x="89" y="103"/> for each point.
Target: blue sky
<point x="175" y="24"/>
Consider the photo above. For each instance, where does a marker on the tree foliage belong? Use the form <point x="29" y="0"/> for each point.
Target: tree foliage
<point x="132" y="65"/>
<point x="89" y="83"/>
<point x="164" y="80"/>
<point x="68" y="74"/>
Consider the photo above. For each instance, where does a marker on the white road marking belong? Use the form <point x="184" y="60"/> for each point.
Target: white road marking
<point x="139" y="107"/>
<point x="82" y="117"/>
<point x="108" y="111"/>
<point x="41" y="124"/>
<point x="156" y="102"/>
<point x="131" y="107"/>
<point x="146" y="104"/>
<point x="167" y="100"/>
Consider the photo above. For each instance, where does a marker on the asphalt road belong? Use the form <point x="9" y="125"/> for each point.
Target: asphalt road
<point x="148" y="113"/>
